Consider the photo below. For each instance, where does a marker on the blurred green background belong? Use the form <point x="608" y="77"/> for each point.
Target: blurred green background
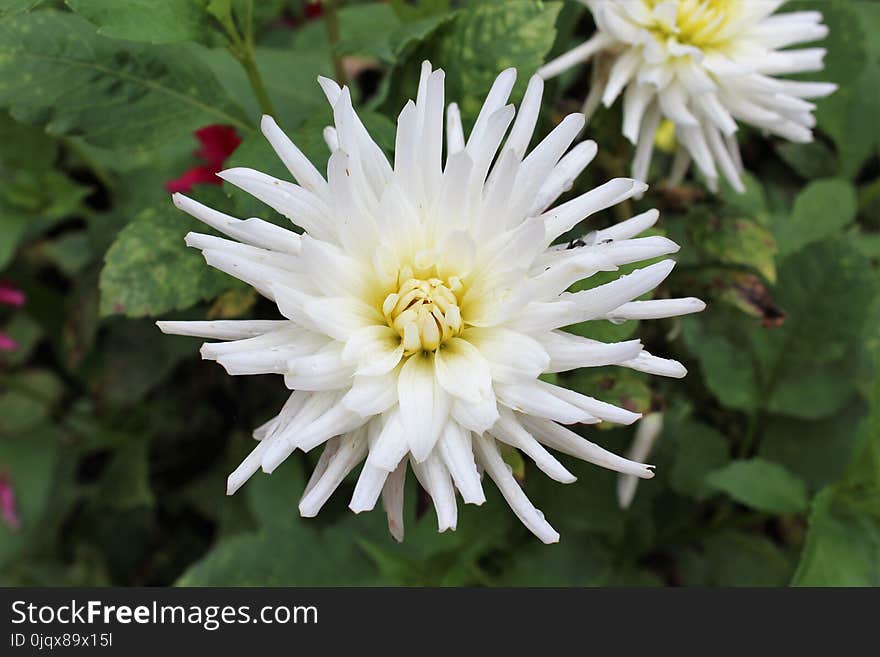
<point x="115" y="441"/>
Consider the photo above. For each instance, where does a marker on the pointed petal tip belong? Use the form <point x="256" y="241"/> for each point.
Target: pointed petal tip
<point x="229" y="175"/>
<point x="631" y="420"/>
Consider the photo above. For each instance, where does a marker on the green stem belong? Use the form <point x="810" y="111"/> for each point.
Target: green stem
<point x="250" y="67"/>
<point x="751" y="434"/>
<point x="242" y="48"/>
<point x="331" y="20"/>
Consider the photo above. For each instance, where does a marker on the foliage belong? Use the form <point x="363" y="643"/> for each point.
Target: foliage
<point x="117" y="440"/>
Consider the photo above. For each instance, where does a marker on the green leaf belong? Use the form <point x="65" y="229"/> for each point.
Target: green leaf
<point x="428" y="558"/>
<point x="843" y="542"/>
<point x="762" y="485"/>
<point x="737" y="559"/>
<point x="728" y="375"/>
<point x="307" y="559"/>
<point x="34" y="196"/>
<point x="415" y="11"/>
<point x="150" y="21"/>
<point x="70" y="252"/>
<point x="487" y="39"/>
<point x="27" y="399"/>
<point x="480" y="42"/>
<point x="56" y="71"/>
<point x="126" y="483"/>
<point x="12" y="230"/>
<point x="810" y="160"/>
<point x="364" y="30"/>
<point x="817" y="451"/>
<point x="751" y="203"/>
<point x="149" y="270"/>
<point x="853" y="62"/>
<point x="698" y="450"/>
<point x="25" y="147"/>
<point x="311" y="557"/>
<point x="823" y="209"/>
<point x="133" y="358"/>
<point x="15" y="6"/>
<point x="290" y="76"/>
<point x="572" y="562"/>
<point x="28" y="460"/>
<point x="739" y="241"/>
<point x="806" y="365"/>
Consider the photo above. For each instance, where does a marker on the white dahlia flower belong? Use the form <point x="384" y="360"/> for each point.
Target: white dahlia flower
<point x="424" y="300"/>
<point x="703" y="65"/>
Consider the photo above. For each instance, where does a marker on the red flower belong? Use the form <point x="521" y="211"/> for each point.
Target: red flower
<point x="217" y="143"/>
<point x="314" y="9"/>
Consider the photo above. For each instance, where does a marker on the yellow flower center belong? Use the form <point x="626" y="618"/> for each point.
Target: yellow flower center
<point x="699" y="23"/>
<point x="424" y="311"/>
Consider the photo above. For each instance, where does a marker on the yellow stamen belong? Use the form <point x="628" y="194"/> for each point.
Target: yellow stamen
<point x="423" y="311"/>
<point x="700" y="23"/>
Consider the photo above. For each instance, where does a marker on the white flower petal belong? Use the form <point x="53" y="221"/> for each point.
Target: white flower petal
<point x="569" y="352"/>
<point x="434" y="478"/>
<point x="392" y="500"/>
<point x="457" y="452"/>
<point x="297" y="163"/>
<point x="371" y="395"/>
<point x="499" y="471"/>
<point x="255" y="232"/>
<point x="225" y="329"/>
<point x="656" y="309"/>
<point x="462" y="371"/>
<point x="368" y="488"/>
<point x="424" y="405"/>
<point x="646" y="436"/>
<point x="421" y="303"/>
<point x="346" y="453"/>
<point x="510" y="431"/>
<point x="375" y="349"/>
<point x="568" y="442"/>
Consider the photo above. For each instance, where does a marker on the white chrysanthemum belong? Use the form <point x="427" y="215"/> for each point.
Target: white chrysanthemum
<point x="703" y="65"/>
<point x="423" y="302"/>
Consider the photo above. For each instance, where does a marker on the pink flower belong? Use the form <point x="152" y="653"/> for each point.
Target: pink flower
<point x="10" y="296"/>
<point x="217" y="143"/>
<point x="8" y="511"/>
